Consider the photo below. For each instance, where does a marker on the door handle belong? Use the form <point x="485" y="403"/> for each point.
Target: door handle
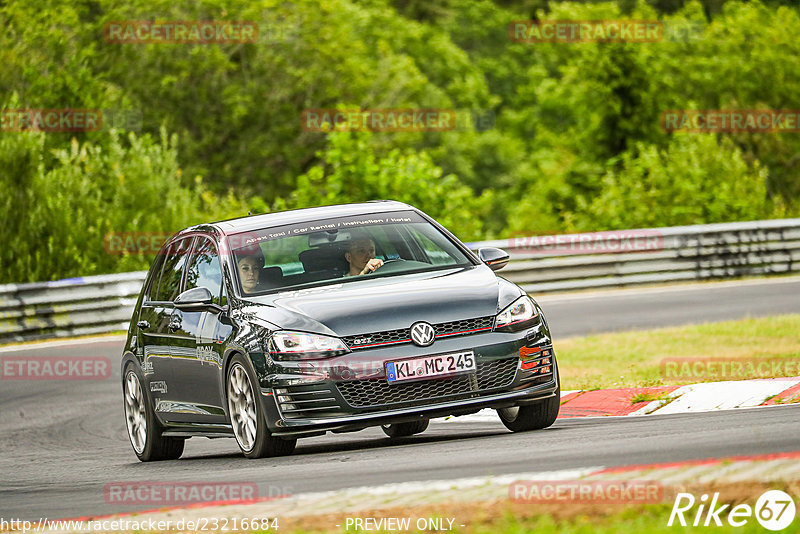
<point x="144" y="325"/>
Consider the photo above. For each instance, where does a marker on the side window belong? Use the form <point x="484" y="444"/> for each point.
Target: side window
<point x="177" y="257"/>
<point x="204" y="269"/>
<point x="155" y="277"/>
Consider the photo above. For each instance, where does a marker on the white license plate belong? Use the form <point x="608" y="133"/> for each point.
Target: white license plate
<point x="430" y="366"/>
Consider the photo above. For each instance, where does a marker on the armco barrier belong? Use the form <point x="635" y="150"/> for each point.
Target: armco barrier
<point x="72" y="307"/>
<point x="656" y="255"/>
<point x="539" y="264"/>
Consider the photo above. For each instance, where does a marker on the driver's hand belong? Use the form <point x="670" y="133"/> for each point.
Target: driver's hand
<point x="371" y="265"/>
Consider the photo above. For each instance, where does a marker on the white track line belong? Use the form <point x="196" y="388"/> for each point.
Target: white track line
<point x="63" y="343"/>
<point x="712" y="396"/>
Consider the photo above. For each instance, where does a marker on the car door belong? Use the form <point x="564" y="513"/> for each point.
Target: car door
<point x="198" y="343"/>
<point x="154" y="321"/>
<point x="165" y="329"/>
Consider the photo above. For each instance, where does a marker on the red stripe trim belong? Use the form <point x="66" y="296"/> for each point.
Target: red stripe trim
<point x="379" y="344"/>
<point x="465" y="331"/>
<point x="407" y="340"/>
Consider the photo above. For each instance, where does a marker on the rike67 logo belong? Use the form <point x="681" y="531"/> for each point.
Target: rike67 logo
<point x="774" y="510"/>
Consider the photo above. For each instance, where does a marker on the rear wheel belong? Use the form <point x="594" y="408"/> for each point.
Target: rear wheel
<point x="143" y="428"/>
<point x="400" y="430"/>
<point x="247" y="417"/>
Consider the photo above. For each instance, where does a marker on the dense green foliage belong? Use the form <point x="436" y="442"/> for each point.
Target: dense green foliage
<point x="61" y="214"/>
<point x="575" y="143"/>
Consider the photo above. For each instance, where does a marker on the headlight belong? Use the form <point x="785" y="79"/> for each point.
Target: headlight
<point x="303" y="346"/>
<point x="518" y="315"/>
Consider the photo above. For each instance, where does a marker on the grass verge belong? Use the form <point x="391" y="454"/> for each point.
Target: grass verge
<point x="507" y="517"/>
<point x="766" y="347"/>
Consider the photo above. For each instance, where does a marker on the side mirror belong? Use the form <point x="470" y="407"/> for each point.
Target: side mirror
<point x="495" y="258"/>
<point x="197" y="298"/>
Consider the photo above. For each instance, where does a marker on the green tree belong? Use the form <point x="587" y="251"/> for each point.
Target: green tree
<point x="696" y="179"/>
<point x="351" y="172"/>
<point x="60" y="211"/>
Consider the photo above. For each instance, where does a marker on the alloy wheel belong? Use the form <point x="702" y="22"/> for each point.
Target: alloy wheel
<point x="242" y="407"/>
<point x="135" y="416"/>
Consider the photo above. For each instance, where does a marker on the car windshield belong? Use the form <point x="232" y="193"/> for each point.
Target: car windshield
<point x="341" y="249"/>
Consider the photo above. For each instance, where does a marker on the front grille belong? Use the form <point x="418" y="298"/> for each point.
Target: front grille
<point x="378" y="338"/>
<point x="311" y="400"/>
<point x="466" y="326"/>
<point x="378" y="392"/>
<point x="403" y="335"/>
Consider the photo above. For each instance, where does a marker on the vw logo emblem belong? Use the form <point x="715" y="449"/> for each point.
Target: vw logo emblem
<point x="422" y="334"/>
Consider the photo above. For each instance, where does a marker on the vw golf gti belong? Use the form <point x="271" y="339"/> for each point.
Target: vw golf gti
<point x="275" y="327"/>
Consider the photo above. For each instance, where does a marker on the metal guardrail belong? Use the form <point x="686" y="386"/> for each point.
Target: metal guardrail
<point x="71" y="307"/>
<point x="539" y="264"/>
<point x="543" y="264"/>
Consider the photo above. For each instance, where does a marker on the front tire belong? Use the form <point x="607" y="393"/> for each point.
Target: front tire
<point x="247" y="415"/>
<point x="533" y="416"/>
<point x="144" y="431"/>
<point x="401" y="430"/>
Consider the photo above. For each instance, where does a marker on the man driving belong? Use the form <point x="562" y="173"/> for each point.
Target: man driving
<point x="361" y="255"/>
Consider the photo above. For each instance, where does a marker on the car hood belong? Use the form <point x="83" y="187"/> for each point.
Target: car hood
<point x="378" y="304"/>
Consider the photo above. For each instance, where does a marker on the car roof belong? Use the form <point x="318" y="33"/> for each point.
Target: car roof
<point x="280" y="218"/>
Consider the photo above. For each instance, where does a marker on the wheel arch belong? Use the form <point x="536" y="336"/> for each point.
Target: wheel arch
<point x="129" y="358"/>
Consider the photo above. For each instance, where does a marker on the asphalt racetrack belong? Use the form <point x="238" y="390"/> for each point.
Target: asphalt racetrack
<point x="63" y="441"/>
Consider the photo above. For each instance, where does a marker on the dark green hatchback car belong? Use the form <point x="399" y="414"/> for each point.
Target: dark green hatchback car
<point x="278" y="326"/>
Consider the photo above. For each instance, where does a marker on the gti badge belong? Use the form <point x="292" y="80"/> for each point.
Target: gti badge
<point x="422" y="334"/>
<point x="158" y="386"/>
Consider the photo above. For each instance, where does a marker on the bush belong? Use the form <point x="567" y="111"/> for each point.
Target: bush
<point x="351" y="172"/>
<point x="58" y="214"/>
<point x="696" y="179"/>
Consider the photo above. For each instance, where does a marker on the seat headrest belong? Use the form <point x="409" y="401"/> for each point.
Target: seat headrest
<point x="270" y="277"/>
<point x="324" y="259"/>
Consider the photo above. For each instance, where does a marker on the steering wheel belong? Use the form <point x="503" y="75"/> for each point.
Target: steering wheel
<point x="394" y="261"/>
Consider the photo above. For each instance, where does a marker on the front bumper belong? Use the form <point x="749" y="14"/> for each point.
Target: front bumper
<point x="513" y="369"/>
<point x="297" y="428"/>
